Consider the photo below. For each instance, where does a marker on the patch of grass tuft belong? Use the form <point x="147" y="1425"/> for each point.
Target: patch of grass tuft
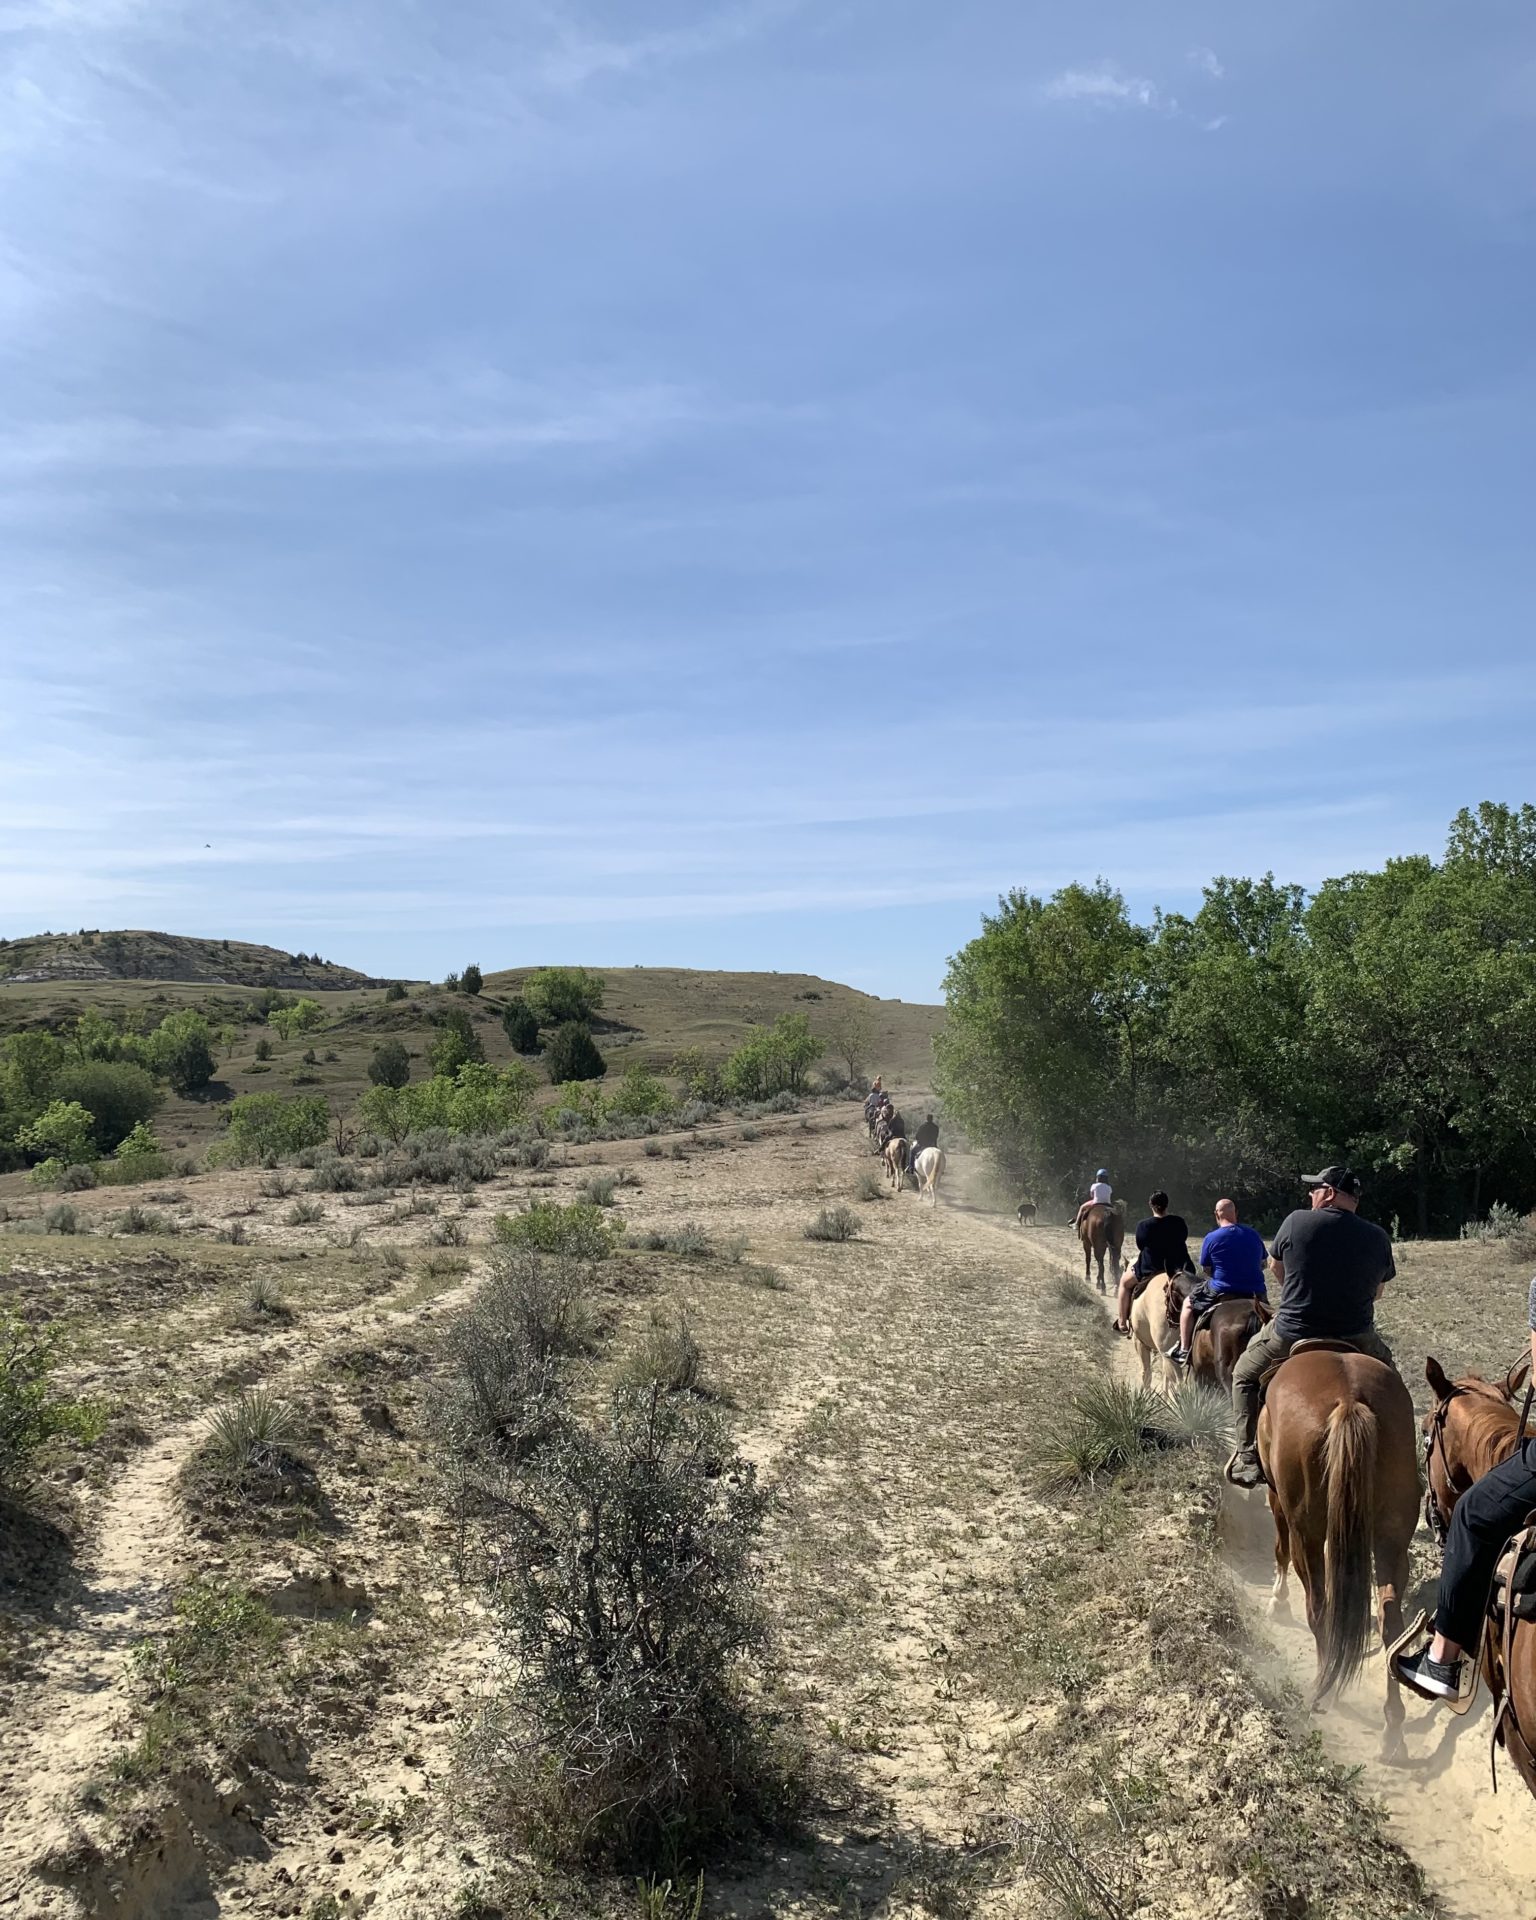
<point x="833" y="1223"/>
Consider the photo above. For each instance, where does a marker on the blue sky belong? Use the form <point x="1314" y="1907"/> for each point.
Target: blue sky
<point x="743" y="485"/>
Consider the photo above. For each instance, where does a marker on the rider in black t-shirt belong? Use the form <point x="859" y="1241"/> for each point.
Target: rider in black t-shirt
<point x="1162" y="1246"/>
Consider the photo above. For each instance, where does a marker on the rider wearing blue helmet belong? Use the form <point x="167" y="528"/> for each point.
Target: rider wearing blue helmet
<point x="1100" y="1194"/>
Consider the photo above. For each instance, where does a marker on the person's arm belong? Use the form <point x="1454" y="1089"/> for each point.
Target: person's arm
<point x="1390" y="1274"/>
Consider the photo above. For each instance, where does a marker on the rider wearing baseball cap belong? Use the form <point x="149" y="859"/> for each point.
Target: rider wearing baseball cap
<point x="1332" y="1266"/>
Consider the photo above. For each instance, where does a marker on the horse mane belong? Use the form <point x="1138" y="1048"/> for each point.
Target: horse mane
<point x="1486" y="1425"/>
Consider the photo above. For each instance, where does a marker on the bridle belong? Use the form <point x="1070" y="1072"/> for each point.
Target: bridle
<point x="1434" y="1439"/>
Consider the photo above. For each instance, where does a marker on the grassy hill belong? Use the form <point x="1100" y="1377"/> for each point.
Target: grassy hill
<point x="93" y="956"/>
<point x="650" y="1015"/>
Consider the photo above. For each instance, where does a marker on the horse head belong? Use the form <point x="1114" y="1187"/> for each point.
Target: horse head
<point x="1470" y="1428"/>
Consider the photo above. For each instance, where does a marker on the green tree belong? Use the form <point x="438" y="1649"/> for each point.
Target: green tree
<point x="559" y="995"/>
<point x="471" y="980"/>
<point x="572" y="1054"/>
<point x="269" y="1123"/>
<point x="304" y="1016"/>
<point x="182" y="1049"/>
<point x="62" y="1132"/>
<point x="457" y="1044"/>
<point x="521" y="1025"/>
<point x="116" y="1094"/>
<point x="639" y="1094"/>
<point x="390" y="1065"/>
<point x="773" y="1059"/>
<point x="1044" y="1057"/>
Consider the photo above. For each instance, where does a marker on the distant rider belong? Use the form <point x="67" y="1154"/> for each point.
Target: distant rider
<point x="927" y="1135"/>
<point x="1100" y="1194"/>
<point x="875" y="1099"/>
<point x="1162" y="1246"/>
<point x="1232" y="1260"/>
<point x="1490" y="1510"/>
<point x="1332" y="1266"/>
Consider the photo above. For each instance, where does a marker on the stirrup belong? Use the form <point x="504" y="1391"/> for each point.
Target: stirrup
<point x="1470" y="1663"/>
<point x="1242" y="1485"/>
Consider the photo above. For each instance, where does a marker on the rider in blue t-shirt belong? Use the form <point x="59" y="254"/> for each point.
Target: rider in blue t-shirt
<point x="1232" y="1258"/>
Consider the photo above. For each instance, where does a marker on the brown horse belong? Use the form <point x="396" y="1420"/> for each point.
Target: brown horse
<point x="1473" y="1426"/>
<point x="1102" y="1231"/>
<point x="1336" y="1441"/>
<point x="1218" y="1345"/>
<point x="896" y="1162"/>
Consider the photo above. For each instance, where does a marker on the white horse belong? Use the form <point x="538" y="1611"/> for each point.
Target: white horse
<point x="929" y="1168"/>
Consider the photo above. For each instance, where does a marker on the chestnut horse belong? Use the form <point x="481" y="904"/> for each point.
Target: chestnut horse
<point x="896" y="1162"/>
<point x="1473" y="1426"/>
<point x="1102" y="1231"/>
<point x="1336" y="1438"/>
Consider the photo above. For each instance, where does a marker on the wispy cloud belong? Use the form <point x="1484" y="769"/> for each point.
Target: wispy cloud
<point x="1204" y="60"/>
<point x="1107" y="86"/>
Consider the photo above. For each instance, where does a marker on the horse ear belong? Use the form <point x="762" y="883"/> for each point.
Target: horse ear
<point x="1434" y="1373"/>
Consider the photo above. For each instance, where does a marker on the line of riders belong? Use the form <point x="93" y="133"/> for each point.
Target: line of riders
<point x="1331" y="1267"/>
<point x="886" y="1123"/>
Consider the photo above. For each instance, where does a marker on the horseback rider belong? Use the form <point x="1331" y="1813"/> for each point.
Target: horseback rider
<point x="1232" y="1260"/>
<point x="875" y="1099"/>
<point x="927" y="1135"/>
<point x="1100" y="1194"/>
<point x="1162" y="1247"/>
<point x="1332" y="1266"/>
<point x="1492" y="1508"/>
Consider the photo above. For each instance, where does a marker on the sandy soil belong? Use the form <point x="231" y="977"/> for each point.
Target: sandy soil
<point x="892" y="1389"/>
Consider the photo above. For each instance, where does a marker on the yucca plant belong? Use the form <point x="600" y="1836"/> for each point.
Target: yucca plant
<point x="250" y="1433"/>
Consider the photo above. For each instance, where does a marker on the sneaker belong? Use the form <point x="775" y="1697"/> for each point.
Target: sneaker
<point x="1181" y="1358"/>
<point x="1243" y="1469"/>
<point x="1434" y="1679"/>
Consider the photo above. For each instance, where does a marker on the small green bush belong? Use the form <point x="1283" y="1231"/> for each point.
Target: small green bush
<point x="305" y="1213"/>
<point x="251" y="1433"/>
<point x="262" y="1124"/>
<point x="869" y="1186"/>
<point x="667" y="1356"/>
<point x="579" y="1231"/>
<point x="560" y="994"/>
<point x="833" y="1223"/>
<point x="395" y="990"/>
<point x="31" y="1414"/>
<point x="61" y="1219"/>
<point x="471" y="980"/>
<point x="137" y="1219"/>
<point x="118" y="1095"/>
<point x="598" y="1191"/>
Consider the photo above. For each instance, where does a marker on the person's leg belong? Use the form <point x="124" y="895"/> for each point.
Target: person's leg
<point x="1486" y="1515"/>
<point x="1186" y="1324"/>
<point x="1123" y="1300"/>
<point x="1263" y="1351"/>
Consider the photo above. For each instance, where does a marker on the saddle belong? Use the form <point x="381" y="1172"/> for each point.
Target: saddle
<point x="1258" y="1309"/>
<point x="1514" y="1579"/>
<point x="1307" y="1346"/>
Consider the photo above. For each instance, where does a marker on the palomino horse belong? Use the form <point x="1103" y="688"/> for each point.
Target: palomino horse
<point x="1155" y="1329"/>
<point x="1473" y="1426"/>
<point x="1336" y="1442"/>
<point x="1102" y="1231"/>
<point x="929" y="1168"/>
<point x="896" y="1162"/>
<point x="1218" y="1346"/>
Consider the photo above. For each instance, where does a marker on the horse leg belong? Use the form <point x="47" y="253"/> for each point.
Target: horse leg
<point x="1279" y="1599"/>
<point x="1391" y="1580"/>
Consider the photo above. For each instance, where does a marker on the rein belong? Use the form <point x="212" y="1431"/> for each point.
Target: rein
<point x="1434" y="1437"/>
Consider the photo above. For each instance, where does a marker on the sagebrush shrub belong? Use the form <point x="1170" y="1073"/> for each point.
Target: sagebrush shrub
<point x="30" y="1412"/>
<point x="579" y="1230"/>
<point x="629" y="1600"/>
<point x="61" y="1219"/>
<point x="666" y="1356"/>
<point x="833" y="1223"/>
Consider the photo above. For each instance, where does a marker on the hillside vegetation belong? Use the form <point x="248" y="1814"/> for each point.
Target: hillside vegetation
<point x="68" y="1039"/>
<point x="129" y="954"/>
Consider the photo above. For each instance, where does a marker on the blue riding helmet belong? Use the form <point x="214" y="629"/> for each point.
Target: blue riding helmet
<point x="1102" y="1174"/>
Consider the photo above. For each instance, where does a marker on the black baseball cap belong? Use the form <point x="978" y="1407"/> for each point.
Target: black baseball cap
<point x="1341" y="1179"/>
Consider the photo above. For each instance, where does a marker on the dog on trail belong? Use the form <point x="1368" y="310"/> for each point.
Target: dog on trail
<point x="1027" y="1212"/>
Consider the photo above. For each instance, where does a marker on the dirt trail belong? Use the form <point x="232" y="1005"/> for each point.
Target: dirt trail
<point x="1477" y="1850"/>
<point x="67" y="1732"/>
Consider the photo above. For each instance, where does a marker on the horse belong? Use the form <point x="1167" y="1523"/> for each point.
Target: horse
<point x="1027" y="1212"/>
<point x="1336" y="1439"/>
<point x="929" y="1168"/>
<point x="1218" y="1346"/>
<point x="1471" y="1427"/>
<point x="1155" y="1328"/>
<point x="1102" y="1231"/>
<point x="896" y="1162"/>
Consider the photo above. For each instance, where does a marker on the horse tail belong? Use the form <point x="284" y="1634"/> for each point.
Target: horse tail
<point x="1349" y="1478"/>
